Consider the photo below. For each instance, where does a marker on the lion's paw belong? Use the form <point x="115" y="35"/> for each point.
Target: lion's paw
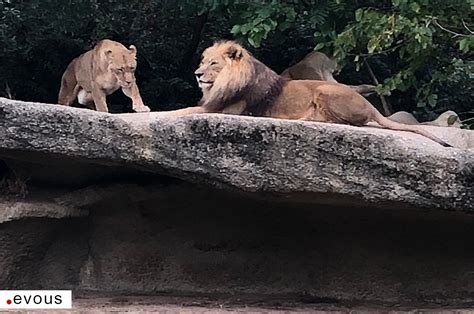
<point x="141" y="109"/>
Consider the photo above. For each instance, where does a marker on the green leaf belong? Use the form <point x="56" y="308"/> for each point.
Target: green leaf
<point x="415" y="7"/>
<point x="372" y="45"/>
<point x="267" y="27"/>
<point x="319" y="46"/>
<point x="433" y="100"/>
<point x="244" y="29"/>
<point x="252" y="42"/>
<point x="235" y="29"/>
<point x="466" y="43"/>
<point x="358" y="15"/>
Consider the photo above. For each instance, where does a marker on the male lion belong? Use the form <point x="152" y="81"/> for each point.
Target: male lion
<point x="100" y="72"/>
<point x="233" y="81"/>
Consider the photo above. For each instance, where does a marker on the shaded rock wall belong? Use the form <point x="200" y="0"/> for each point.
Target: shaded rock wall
<point x="189" y="239"/>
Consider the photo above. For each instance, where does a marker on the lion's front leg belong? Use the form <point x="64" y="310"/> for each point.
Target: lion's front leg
<point x="100" y="100"/>
<point x="137" y="101"/>
<point x="184" y="111"/>
<point x="236" y="109"/>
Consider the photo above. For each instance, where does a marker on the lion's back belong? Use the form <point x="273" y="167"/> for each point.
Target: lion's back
<point x="83" y="66"/>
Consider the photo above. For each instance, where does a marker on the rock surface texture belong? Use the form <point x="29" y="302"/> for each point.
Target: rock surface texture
<point x="255" y="154"/>
<point x="225" y="205"/>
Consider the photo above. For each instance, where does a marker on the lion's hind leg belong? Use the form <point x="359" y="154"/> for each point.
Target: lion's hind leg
<point x="316" y="110"/>
<point x="69" y="88"/>
<point x="85" y="99"/>
<point x="313" y="113"/>
<point x="342" y="105"/>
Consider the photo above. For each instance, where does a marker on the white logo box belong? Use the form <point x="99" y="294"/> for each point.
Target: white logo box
<point x="35" y="299"/>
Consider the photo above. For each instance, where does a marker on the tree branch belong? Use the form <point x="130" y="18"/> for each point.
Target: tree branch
<point x="468" y="29"/>
<point x="377" y="53"/>
<point x="455" y="34"/>
<point x="387" y="108"/>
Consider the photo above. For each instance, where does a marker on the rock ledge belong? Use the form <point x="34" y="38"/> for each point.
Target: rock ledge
<point x="253" y="154"/>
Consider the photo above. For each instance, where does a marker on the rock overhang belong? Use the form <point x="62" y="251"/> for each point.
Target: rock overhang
<point x="254" y="154"/>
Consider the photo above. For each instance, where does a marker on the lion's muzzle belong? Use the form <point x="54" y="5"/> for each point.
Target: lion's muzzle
<point x="204" y="84"/>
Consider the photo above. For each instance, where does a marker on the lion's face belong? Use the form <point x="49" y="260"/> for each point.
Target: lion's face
<point x="229" y="75"/>
<point x="122" y="63"/>
<point x="214" y="60"/>
<point x="209" y="69"/>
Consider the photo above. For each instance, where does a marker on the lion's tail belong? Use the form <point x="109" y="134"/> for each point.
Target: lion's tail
<point x="389" y="124"/>
<point x="69" y="87"/>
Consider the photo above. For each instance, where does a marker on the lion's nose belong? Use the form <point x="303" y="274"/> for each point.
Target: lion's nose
<point x="198" y="74"/>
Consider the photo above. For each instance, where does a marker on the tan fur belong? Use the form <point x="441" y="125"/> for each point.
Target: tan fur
<point x="314" y="66"/>
<point x="230" y="76"/>
<point x="100" y="72"/>
<point x="317" y="66"/>
<point x="446" y="119"/>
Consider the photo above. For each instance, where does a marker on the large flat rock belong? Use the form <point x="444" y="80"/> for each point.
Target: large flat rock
<point x="320" y="161"/>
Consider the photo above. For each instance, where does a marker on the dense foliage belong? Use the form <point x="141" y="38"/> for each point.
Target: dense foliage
<point x="419" y="50"/>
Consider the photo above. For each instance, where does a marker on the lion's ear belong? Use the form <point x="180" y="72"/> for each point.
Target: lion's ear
<point x="108" y="53"/>
<point x="133" y="50"/>
<point x="234" y="52"/>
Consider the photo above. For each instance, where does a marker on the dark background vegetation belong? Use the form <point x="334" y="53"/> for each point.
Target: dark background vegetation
<point x="419" y="50"/>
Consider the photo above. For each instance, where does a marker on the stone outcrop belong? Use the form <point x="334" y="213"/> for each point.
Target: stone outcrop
<point x="329" y="161"/>
<point x="216" y="204"/>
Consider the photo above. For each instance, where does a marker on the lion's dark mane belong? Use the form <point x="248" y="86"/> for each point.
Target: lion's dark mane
<point x="259" y="94"/>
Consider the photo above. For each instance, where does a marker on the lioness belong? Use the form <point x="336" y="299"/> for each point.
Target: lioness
<point x="314" y="66"/>
<point x="233" y="81"/>
<point x="100" y="72"/>
<point x="446" y="119"/>
<point x="317" y="66"/>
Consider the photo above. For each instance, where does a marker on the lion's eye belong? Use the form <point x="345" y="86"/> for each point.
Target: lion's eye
<point x="120" y="70"/>
<point x="213" y="62"/>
